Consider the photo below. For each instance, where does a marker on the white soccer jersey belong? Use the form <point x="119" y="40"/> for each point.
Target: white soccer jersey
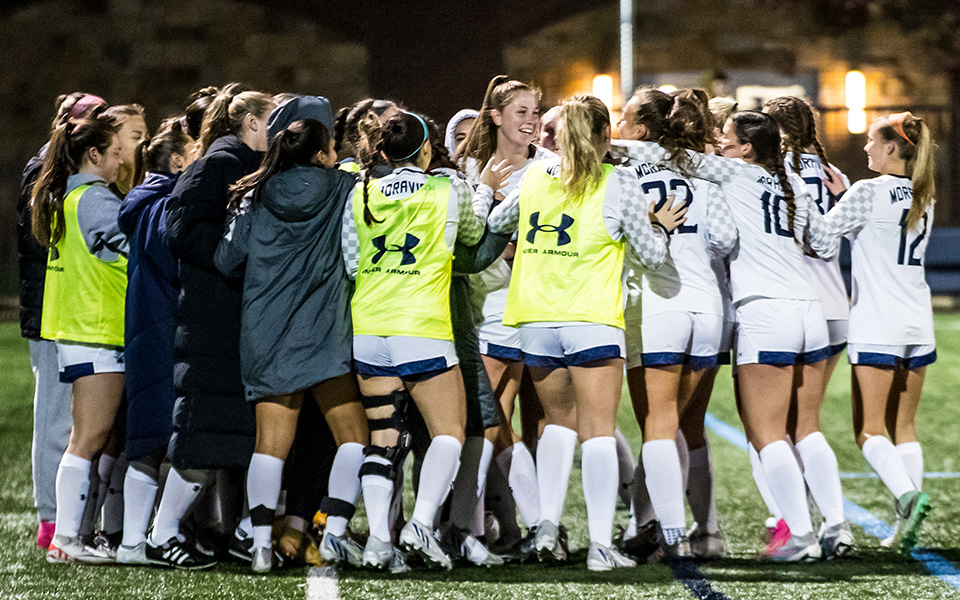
<point x="685" y="282"/>
<point x="824" y="275"/>
<point x="767" y="263"/>
<point x="890" y="299"/>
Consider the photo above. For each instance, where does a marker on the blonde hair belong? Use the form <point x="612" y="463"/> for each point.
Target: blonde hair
<point x="225" y="114"/>
<point x="721" y="108"/>
<point x="915" y="147"/>
<point x="580" y="137"/>
<point x="481" y="142"/>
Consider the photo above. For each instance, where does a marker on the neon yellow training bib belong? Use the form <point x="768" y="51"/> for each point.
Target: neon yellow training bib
<point x="83" y="297"/>
<point x="567" y="267"/>
<point x="405" y="266"/>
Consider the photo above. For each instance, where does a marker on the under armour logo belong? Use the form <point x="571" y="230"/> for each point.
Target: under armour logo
<point x="54" y="253"/>
<point x="411" y="242"/>
<point x="563" y="238"/>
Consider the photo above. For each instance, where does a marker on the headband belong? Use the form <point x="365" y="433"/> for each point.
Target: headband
<point x="896" y="121"/>
<point x="426" y="136"/>
<point x="83" y="105"/>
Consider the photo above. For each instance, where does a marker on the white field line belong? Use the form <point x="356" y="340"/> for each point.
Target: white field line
<point x="322" y="584"/>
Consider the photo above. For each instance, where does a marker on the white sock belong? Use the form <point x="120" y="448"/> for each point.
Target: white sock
<point x="760" y="478"/>
<point x="105" y="466"/>
<point x="111" y="519"/>
<point x="661" y="465"/>
<point x="554" y="461"/>
<point x="823" y="476"/>
<point x="377" y="493"/>
<point x="600" y="483"/>
<point x="436" y="476"/>
<point x="139" y="495"/>
<point x="786" y="484"/>
<point x="523" y="483"/>
<point x="701" y="495"/>
<point x="463" y="497"/>
<point x="912" y="455"/>
<point x="264" y="478"/>
<point x="886" y="461"/>
<point x="73" y="487"/>
<point x="344" y="482"/>
<point x="626" y="466"/>
<point x="178" y="496"/>
<point x="486" y="457"/>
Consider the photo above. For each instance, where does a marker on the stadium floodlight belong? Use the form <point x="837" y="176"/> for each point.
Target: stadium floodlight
<point x="667" y="88"/>
<point x="855" y="99"/>
<point x="603" y="89"/>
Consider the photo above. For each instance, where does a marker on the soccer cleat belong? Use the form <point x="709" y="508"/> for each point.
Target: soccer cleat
<point x="72" y="550"/>
<point x="804" y="548"/>
<point x="381" y="555"/>
<point x="912" y="508"/>
<point x="780" y="536"/>
<point x="241" y="546"/>
<point x="645" y="543"/>
<point x="339" y="549"/>
<point x="706" y="545"/>
<point x="474" y="551"/>
<point x="417" y="537"/>
<point x="836" y="540"/>
<point x="548" y="544"/>
<point x="179" y="554"/>
<point x="45" y="534"/>
<point x="108" y="544"/>
<point x="133" y="555"/>
<point x="262" y="561"/>
<point x="605" y="558"/>
<point x="678" y="550"/>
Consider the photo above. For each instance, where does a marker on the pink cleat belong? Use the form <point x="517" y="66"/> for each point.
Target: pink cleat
<point x="781" y="535"/>
<point x="45" y="534"/>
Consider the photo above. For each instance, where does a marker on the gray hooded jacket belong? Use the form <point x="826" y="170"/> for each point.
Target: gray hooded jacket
<point x="296" y="328"/>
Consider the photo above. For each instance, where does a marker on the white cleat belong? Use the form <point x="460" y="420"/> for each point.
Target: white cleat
<point x="133" y="555"/>
<point x="605" y="558"/>
<point x="262" y="561"/>
<point x="339" y="549"/>
<point x="417" y="537"/>
<point x="72" y="550"/>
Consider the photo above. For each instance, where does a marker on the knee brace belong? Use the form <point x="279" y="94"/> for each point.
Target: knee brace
<point x="398" y="400"/>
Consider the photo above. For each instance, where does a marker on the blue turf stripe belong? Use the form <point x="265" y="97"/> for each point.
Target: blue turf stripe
<point x="927" y="475"/>
<point x="688" y="573"/>
<point x="935" y="564"/>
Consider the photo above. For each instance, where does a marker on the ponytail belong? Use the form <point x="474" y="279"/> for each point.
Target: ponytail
<point x="798" y="127"/>
<point x="225" y="114"/>
<point x="580" y="130"/>
<point x="916" y="149"/>
<point x="69" y="145"/>
<point x="153" y="154"/>
<point x="297" y="145"/>
<point x="761" y="131"/>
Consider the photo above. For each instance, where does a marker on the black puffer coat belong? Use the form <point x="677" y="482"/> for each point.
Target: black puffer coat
<point x="32" y="256"/>
<point x="213" y="426"/>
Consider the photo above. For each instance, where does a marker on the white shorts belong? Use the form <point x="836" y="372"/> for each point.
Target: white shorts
<point x="409" y="358"/>
<point x="499" y="341"/>
<point x="910" y="356"/>
<point x="570" y="344"/>
<point x="676" y="338"/>
<point x="79" y="360"/>
<point x="777" y="331"/>
<point x="837" y="329"/>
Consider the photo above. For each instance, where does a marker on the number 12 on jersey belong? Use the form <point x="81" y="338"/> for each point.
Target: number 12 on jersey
<point x="911" y="260"/>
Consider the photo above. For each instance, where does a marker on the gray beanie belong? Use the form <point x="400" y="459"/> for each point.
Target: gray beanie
<point x="299" y="108"/>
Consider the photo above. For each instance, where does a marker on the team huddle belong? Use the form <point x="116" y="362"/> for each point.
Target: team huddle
<point x="265" y="291"/>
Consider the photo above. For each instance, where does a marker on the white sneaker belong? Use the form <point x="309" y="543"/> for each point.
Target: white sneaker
<point x="798" y="548"/>
<point x="380" y="555"/>
<point x="605" y="558"/>
<point x="836" y="540"/>
<point x="72" y="550"/>
<point x="417" y="537"/>
<point x="133" y="555"/>
<point x="474" y="551"/>
<point x="262" y="561"/>
<point x="339" y="549"/>
<point x="548" y="543"/>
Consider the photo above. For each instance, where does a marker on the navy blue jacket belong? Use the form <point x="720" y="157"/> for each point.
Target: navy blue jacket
<point x="152" y="289"/>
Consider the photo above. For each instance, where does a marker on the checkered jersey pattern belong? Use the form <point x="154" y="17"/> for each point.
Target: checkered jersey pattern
<point x="852" y="210"/>
<point x="649" y="242"/>
<point x="722" y="231"/>
<point x="716" y="169"/>
<point x="349" y="243"/>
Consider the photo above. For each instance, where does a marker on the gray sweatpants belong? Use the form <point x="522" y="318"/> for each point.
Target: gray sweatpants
<point x="52" y="421"/>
